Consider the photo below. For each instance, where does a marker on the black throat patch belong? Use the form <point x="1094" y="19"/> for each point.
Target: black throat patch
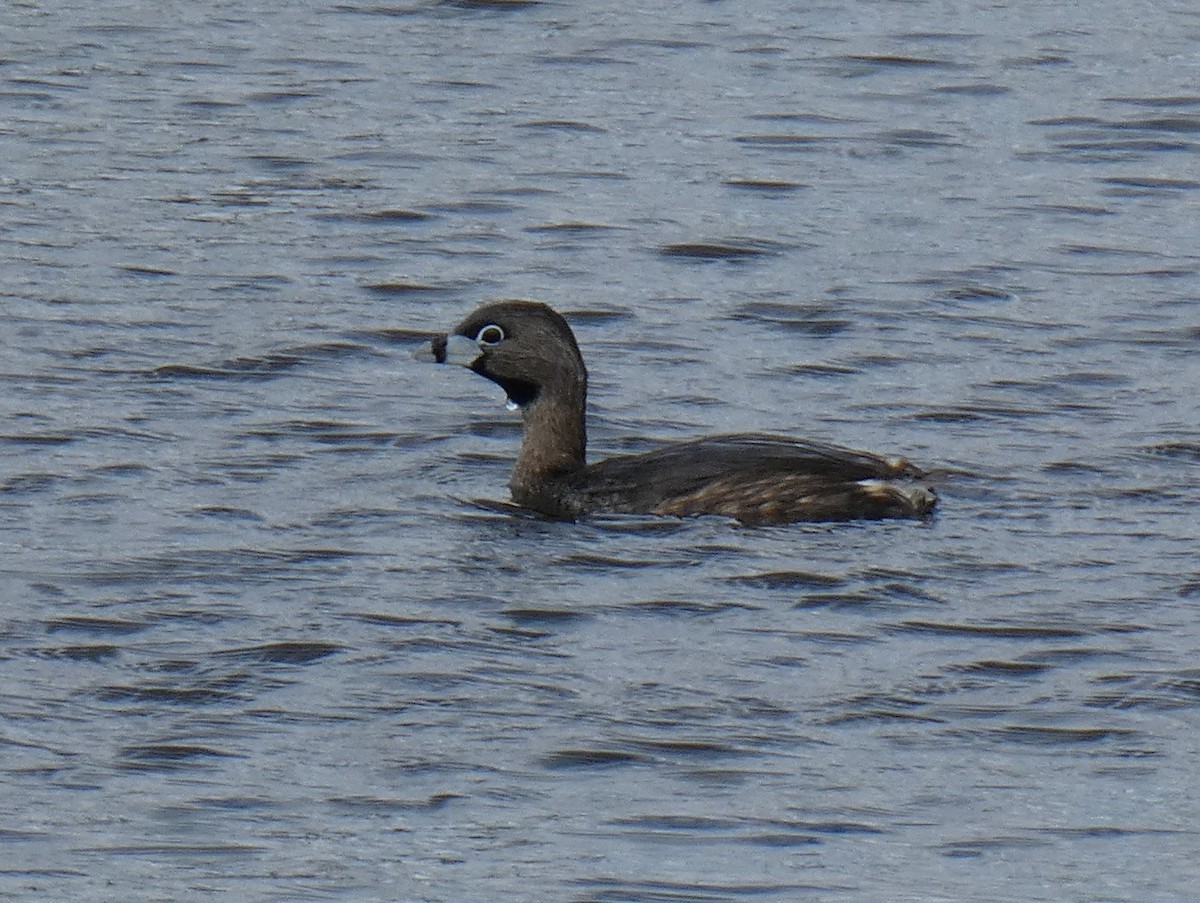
<point x="519" y="391"/>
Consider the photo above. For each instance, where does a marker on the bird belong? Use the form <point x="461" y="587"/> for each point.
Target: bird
<point x="529" y="350"/>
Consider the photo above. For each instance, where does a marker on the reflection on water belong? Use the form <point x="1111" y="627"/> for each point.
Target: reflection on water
<point x="272" y="632"/>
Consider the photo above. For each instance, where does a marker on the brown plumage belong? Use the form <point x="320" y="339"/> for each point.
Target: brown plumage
<point x="530" y="352"/>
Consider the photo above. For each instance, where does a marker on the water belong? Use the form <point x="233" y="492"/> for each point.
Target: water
<point x="264" y="636"/>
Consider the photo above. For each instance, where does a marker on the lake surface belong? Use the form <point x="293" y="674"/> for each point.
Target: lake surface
<point x="267" y="634"/>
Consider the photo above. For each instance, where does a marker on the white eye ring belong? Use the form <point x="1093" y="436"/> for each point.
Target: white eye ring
<point x="490" y="335"/>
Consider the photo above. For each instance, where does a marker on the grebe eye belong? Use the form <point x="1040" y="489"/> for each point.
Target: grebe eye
<point x="490" y="335"/>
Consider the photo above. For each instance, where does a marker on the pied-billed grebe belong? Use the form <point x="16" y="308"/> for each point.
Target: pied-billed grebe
<point x="530" y="351"/>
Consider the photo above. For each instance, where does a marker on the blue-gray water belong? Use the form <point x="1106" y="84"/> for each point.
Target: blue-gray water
<point x="261" y="641"/>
